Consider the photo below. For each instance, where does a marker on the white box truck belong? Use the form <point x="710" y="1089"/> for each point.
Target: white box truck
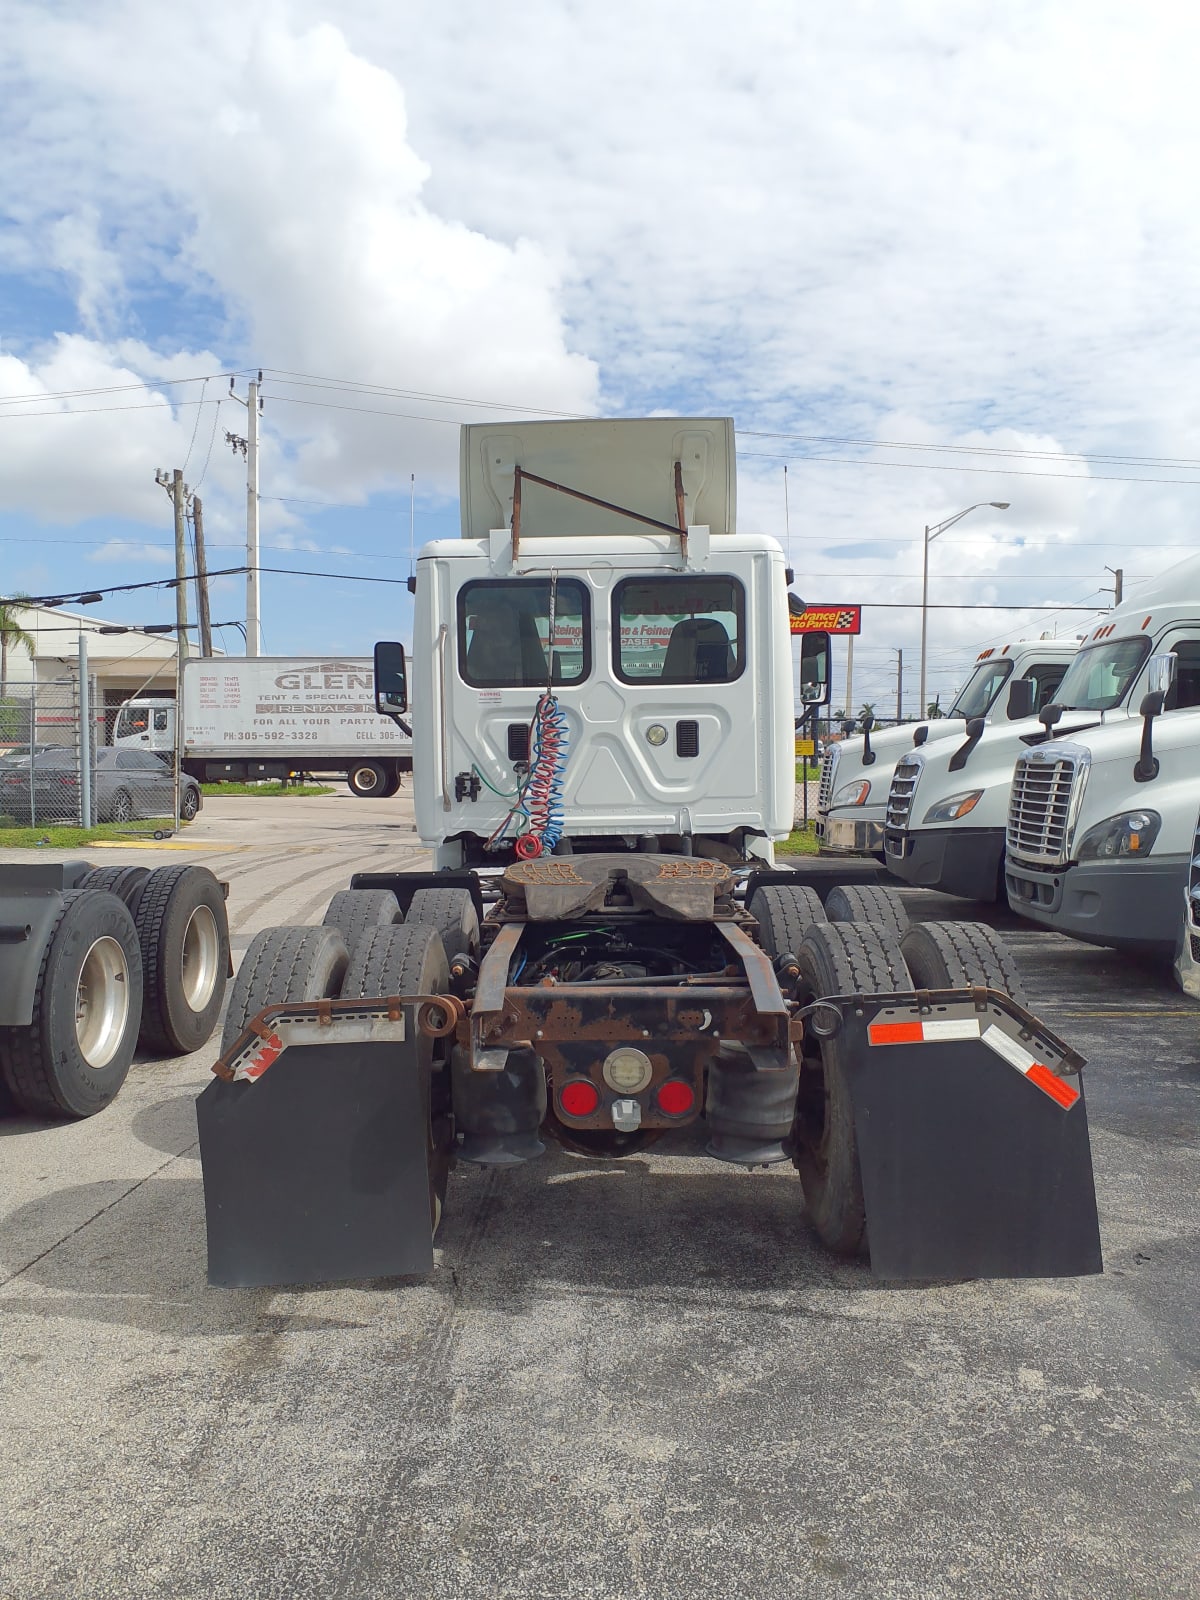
<point x="856" y="773"/>
<point x="246" y="718"/>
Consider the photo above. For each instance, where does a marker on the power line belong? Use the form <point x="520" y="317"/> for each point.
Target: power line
<point x="995" y="472"/>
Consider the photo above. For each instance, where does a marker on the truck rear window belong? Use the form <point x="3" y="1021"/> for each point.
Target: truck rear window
<point x="679" y="630"/>
<point x="503" y="627"/>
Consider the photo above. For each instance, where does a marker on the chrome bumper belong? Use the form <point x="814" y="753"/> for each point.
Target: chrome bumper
<point x="851" y="836"/>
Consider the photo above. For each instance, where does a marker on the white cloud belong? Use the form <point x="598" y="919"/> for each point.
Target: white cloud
<point x="942" y="225"/>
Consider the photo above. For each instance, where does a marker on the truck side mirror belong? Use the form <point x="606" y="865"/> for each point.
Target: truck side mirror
<point x="814" y="669"/>
<point x="1145" y="768"/>
<point x="868" y="756"/>
<point x="1021" y="693"/>
<point x="963" y="754"/>
<point x="391" y="679"/>
<point x="920" y="735"/>
<point x="1160" y="675"/>
<point x="1049" y="715"/>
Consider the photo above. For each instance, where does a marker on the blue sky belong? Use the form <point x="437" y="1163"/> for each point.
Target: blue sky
<point x="927" y="256"/>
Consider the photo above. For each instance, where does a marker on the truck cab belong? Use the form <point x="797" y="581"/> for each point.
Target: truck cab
<point x="1101" y="822"/>
<point x="856" y="774"/>
<point x="948" y="811"/>
<point x="146" y="724"/>
<point x="605" y="665"/>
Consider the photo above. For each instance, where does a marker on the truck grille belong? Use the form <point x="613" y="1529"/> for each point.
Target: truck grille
<point x="900" y="795"/>
<point x="829" y="763"/>
<point x="1039" y="807"/>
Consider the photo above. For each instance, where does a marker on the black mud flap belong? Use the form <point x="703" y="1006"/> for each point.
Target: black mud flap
<point x="317" y="1170"/>
<point x="972" y="1139"/>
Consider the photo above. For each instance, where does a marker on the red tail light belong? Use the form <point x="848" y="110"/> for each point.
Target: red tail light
<point x="676" y="1097"/>
<point x="579" y="1098"/>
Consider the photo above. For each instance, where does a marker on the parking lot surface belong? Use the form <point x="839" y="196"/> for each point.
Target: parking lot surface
<point x="623" y="1378"/>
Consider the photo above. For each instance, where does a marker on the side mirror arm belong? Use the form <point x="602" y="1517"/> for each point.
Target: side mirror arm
<point x="1145" y="768"/>
<point x="963" y="754"/>
<point x="869" y="757"/>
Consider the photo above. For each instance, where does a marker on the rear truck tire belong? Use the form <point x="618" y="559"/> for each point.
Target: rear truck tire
<point x="784" y="913"/>
<point x="367" y="779"/>
<point x="283" y="964"/>
<point x="836" y="958"/>
<point x="452" y="912"/>
<point x="73" y="1057"/>
<point x="127" y="883"/>
<point x="183" y="929"/>
<point x="394" y="785"/>
<point x="357" y="912"/>
<point x="882" y="908"/>
<point x="411" y="959"/>
<point x="960" y="955"/>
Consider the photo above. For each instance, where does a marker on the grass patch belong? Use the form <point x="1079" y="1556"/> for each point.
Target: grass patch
<point x="64" y="837"/>
<point x="299" y="791"/>
<point x="800" y="842"/>
<point x="809" y="773"/>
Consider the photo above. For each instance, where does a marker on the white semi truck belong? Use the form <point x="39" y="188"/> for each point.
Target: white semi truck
<point x="605" y="951"/>
<point x="1187" y="960"/>
<point x="249" y="718"/>
<point x="1101" y="823"/>
<point x="948" y="808"/>
<point x="1007" y="682"/>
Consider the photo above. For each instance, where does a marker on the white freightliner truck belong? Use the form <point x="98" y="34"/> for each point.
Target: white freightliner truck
<point x="604" y="951"/>
<point x="948" y="808"/>
<point x="1101" y="822"/>
<point x="856" y="773"/>
<point x="250" y="718"/>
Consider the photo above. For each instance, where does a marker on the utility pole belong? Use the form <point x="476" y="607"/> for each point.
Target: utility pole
<point x="899" y="685"/>
<point x="202" y="610"/>
<point x="249" y="449"/>
<point x="850" y="675"/>
<point x="174" y="485"/>
<point x="1118" y="589"/>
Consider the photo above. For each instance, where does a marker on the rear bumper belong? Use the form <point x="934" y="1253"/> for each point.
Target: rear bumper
<point x="1126" y="905"/>
<point x="851" y="834"/>
<point x="959" y="861"/>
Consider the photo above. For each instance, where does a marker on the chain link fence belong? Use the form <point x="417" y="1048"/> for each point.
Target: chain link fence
<point x="54" y="772"/>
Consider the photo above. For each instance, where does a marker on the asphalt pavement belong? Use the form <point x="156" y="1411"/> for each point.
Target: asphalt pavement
<point x="623" y="1378"/>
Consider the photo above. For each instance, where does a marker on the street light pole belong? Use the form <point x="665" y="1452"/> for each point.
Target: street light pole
<point x="932" y="533"/>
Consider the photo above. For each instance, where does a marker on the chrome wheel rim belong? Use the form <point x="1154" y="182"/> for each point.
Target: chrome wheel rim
<point x="102" y="1003"/>
<point x="201" y="953"/>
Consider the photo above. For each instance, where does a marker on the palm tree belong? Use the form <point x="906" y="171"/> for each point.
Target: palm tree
<point x="12" y="636"/>
<point x="867" y="710"/>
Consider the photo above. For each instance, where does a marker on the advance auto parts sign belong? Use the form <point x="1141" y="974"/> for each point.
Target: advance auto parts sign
<point x="284" y="701"/>
<point x="829" y="619"/>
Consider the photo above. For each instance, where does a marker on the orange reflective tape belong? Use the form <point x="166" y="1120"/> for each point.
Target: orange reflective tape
<point x="895" y="1033"/>
<point x="1057" y="1088"/>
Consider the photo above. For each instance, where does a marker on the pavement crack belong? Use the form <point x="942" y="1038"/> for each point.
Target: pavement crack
<point x="87" y="1222"/>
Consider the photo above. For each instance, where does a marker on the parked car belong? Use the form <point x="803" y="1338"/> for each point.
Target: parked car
<point x="125" y="784"/>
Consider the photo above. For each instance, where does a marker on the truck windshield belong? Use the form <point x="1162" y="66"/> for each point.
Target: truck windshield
<point x="503" y="626"/>
<point x="975" y="697"/>
<point x="679" y="630"/>
<point x="1098" y="678"/>
<point x="130" y="721"/>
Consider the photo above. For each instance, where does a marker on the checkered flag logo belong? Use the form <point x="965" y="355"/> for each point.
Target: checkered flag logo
<point x="845" y="619"/>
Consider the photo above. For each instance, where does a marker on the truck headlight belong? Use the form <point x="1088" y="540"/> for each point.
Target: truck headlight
<point x="956" y="806"/>
<point x="853" y="794"/>
<point x="1131" y="833"/>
